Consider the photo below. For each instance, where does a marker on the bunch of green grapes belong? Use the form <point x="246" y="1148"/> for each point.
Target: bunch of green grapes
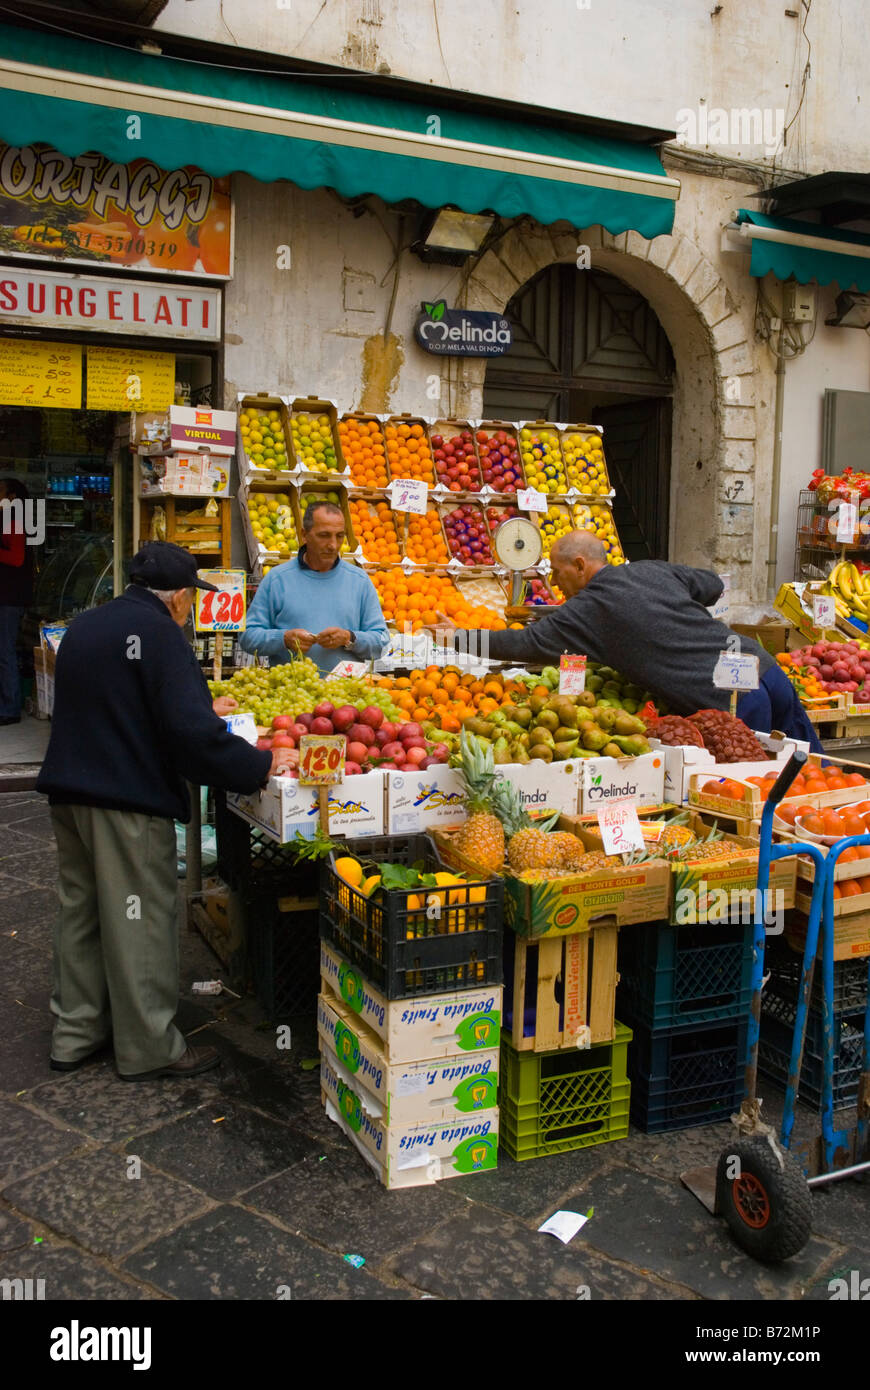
<point x="294" y="687"/>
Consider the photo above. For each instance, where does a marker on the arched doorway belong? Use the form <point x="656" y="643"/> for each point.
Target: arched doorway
<point x="588" y="348"/>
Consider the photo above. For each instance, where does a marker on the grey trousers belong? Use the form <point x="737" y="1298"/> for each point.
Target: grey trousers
<point x="116" y="938"/>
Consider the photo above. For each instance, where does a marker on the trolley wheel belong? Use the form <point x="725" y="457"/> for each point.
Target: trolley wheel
<point x="767" y="1208"/>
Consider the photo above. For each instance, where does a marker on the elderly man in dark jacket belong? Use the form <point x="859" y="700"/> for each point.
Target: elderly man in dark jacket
<point x="132" y="720"/>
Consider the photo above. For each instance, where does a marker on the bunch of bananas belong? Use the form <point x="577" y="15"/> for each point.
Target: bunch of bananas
<point x="850" y="590"/>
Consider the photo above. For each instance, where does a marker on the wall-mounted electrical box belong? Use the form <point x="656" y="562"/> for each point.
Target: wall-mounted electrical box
<point x="798" y="302"/>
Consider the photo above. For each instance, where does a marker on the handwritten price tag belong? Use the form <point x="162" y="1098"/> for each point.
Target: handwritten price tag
<point x="223" y="611"/>
<point x="572" y="675"/>
<point x="321" y="759"/>
<point x="620" y="828"/>
<point x="733" y="672"/>
<point x="824" y="610"/>
<point x="847" y="522"/>
<point x="720" y="607"/>
<point x="409" y="495"/>
<point x="528" y="500"/>
<point x="347" y="668"/>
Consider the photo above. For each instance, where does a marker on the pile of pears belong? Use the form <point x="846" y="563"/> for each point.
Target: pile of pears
<point x="556" y="728"/>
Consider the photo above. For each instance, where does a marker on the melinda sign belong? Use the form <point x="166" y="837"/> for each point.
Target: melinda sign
<point x="46" y="300"/>
<point x="461" y="332"/>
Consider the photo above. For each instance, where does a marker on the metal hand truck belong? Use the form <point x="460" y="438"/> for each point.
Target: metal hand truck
<point x="758" y="1186"/>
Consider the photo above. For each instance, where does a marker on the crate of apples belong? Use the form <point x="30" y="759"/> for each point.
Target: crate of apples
<point x="456" y="460"/>
<point x="465" y="529"/>
<point x="500" y="461"/>
<point x="839" y="667"/>
<point x="373" y="741"/>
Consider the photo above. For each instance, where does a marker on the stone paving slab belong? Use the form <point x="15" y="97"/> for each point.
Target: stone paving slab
<point x="851" y="1265"/>
<point x="658" y="1224"/>
<point x="16" y="841"/>
<point x="534" y="1187"/>
<point x="28" y="1141"/>
<point x="224" y="1149"/>
<point x="482" y="1254"/>
<point x="15" y="1234"/>
<point x="235" y="1254"/>
<point x="17" y="1018"/>
<point x="25" y="1066"/>
<point x="35" y="868"/>
<point x="25" y="974"/>
<point x="92" y="1201"/>
<point x="336" y="1201"/>
<point x="70" y="1274"/>
<point x="20" y="904"/>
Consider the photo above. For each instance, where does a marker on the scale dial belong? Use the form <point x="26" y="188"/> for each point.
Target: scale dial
<point x="518" y="543"/>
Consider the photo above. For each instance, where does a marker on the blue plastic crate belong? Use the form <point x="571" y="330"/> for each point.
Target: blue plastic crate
<point x="682" y="1077"/>
<point x="850" y="978"/>
<point x="671" y="976"/>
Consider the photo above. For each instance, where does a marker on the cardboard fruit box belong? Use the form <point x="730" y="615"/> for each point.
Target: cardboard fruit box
<point x="414" y="1155"/>
<point x="684" y="760"/>
<point x="405" y="1093"/>
<point x="356" y="807"/>
<point x="415" y="1030"/>
<point x="851" y="933"/>
<point x="751" y="804"/>
<point x="577" y="902"/>
<point x="806" y="869"/>
<point x="698" y="884"/>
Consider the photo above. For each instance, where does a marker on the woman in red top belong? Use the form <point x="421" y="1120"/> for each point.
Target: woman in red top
<point x="16" y="593"/>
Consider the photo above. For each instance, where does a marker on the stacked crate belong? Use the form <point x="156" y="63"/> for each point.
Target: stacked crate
<point x="409" y="1016"/>
<point x="563" y="1054"/>
<point x="685" y="991"/>
<point x="778" y="1012"/>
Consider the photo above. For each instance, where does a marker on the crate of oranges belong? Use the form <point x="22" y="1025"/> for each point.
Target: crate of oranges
<point x="445" y="695"/>
<point x="378" y="530"/>
<point x="743" y="798"/>
<point x="364" y="449"/>
<point x="415" y="600"/>
<point x="425" y="543"/>
<point x="853" y="865"/>
<point x="409" y="454"/>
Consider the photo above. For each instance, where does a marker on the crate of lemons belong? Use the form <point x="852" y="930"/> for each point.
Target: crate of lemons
<point x="272" y="522"/>
<point x="314" y="442"/>
<point x="542" y="459"/>
<point x="585" y="468"/>
<point x="263" y="439"/>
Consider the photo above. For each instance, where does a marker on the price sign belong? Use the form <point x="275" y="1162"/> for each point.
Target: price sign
<point x="321" y="759"/>
<point x="41" y="374"/>
<point x="528" y="500"/>
<point x="243" y="725"/>
<point x="620" y="828"/>
<point x="735" y="672"/>
<point x="409" y="495"/>
<point x="224" y="610"/>
<point x="572" y="675"/>
<point x="847" y="522"/>
<point x="344" y="669"/>
<point x="720" y="607"/>
<point x="824" y="610"/>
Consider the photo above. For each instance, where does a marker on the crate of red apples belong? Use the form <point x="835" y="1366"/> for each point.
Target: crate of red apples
<point x="836" y="668"/>
<point x="373" y="742"/>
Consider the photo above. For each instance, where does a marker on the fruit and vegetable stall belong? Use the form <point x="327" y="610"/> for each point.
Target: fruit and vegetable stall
<point x="522" y="916"/>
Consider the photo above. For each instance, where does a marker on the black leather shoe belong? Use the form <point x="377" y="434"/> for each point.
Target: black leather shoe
<point x="190" y="1063"/>
<point x="93" y="1056"/>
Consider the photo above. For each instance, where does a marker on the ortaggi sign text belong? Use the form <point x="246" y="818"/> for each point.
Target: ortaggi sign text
<point x="44" y="299"/>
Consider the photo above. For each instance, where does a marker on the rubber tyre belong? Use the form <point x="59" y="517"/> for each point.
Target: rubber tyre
<point x="768" y="1209"/>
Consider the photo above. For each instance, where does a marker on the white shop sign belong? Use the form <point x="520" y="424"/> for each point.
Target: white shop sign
<point x="43" y="299"/>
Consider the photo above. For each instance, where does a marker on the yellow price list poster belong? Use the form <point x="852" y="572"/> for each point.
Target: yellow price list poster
<point x="127" y="379"/>
<point x="40" y="374"/>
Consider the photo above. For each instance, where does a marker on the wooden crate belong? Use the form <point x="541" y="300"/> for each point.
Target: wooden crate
<point x="262" y="400"/>
<point x="567" y="436"/>
<point x="314" y="405"/>
<point x="585" y="963"/>
<point x="354" y="484"/>
<point x="206" y="536"/>
<point x="448" y="429"/>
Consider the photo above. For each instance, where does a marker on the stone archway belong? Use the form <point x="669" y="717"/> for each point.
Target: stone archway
<point x="713" y="477"/>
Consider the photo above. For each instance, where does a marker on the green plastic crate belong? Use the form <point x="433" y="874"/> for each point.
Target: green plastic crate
<point x="552" y="1102"/>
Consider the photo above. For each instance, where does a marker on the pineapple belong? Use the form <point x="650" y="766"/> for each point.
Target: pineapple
<point x="529" y="847"/>
<point x="481" y="838"/>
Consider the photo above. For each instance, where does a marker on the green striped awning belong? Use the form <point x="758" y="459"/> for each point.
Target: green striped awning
<point x="77" y="96"/>
<point x="806" y="251"/>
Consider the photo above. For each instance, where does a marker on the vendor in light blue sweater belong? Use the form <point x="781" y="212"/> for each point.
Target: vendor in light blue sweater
<point x="317" y="604"/>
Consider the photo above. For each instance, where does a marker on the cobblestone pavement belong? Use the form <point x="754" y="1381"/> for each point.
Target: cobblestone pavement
<point x="246" y="1187"/>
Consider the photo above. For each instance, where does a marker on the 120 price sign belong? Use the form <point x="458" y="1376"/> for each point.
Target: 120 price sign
<point x="223" y="610"/>
<point x="321" y="759"/>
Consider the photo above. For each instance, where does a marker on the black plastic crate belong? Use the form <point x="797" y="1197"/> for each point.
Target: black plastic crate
<point x="681" y="1077"/>
<point x="670" y="976"/>
<point x="391" y="937"/>
<point x="774" y="1051"/>
<point x="850" y="979"/>
<point x="246" y="855"/>
<point x="284" y="954"/>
